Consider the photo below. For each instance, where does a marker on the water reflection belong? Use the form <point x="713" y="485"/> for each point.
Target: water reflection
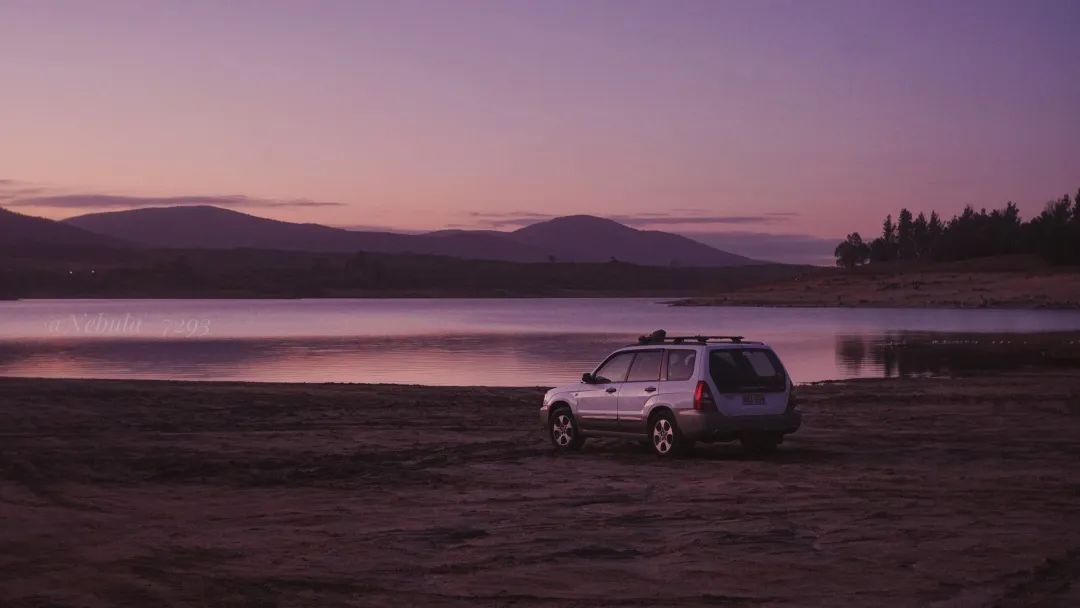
<point x="492" y="359"/>
<point x="488" y="359"/>
<point x="485" y="342"/>
<point x="901" y="354"/>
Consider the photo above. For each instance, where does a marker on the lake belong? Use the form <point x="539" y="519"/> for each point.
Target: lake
<point x="497" y="342"/>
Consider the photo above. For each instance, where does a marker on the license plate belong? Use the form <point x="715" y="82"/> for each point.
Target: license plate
<point x="753" y="399"/>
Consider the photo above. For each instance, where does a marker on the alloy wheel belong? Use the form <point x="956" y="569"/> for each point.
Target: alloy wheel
<point x="562" y="430"/>
<point x="663" y="436"/>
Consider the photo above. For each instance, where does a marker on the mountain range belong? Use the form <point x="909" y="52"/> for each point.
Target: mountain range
<point x="578" y="238"/>
<point x="18" y="230"/>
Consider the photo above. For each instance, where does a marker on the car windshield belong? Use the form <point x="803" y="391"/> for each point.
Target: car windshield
<point x="744" y="370"/>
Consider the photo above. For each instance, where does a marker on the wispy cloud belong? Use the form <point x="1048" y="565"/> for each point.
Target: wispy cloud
<point x="11" y="189"/>
<point x="14" y="194"/>
<point x="499" y="220"/>
<point x="378" y="228"/>
<point x="698" y="219"/>
<point x="113" y="201"/>
<point x="695" y="217"/>
<point x="18" y="193"/>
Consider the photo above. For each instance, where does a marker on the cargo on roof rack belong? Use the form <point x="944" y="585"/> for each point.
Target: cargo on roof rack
<point x="660" y="337"/>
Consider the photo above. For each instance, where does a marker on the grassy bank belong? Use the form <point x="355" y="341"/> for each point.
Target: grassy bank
<point x="897" y="492"/>
<point x="1016" y="283"/>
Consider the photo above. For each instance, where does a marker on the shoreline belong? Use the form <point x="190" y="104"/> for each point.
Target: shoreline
<point x="735" y="300"/>
<point x="952" y="287"/>
<point x="188" y="494"/>
<point x="724" y="302"/>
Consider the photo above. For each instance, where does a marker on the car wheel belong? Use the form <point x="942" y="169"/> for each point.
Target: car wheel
<point x="760" y="444"/>
<point x="665" y="438"/>
<point x="564" y="430"/>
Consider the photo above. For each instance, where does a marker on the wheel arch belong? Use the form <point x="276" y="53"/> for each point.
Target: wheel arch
<point x="558" y="405"/>
<point x="655" y="411"/>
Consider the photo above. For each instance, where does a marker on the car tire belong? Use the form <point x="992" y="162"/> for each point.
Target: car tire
<point x="563" y="430"/>
<point x="760" y="444"/>
<point x="666" y="439"/>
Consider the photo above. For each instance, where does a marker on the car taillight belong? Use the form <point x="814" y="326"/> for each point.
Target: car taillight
<point x="703" y="397"/>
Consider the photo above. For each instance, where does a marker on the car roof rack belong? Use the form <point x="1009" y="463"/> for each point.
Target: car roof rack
<point x="660" y="337"/>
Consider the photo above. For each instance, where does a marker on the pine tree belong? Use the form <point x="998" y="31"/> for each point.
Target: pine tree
<point x="920" y="232"/>
<point x="888" y="238"/>
<point x="905" y="232"/>
<point x="935" y="230"/>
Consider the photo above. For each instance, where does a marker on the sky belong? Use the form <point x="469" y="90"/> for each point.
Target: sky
<point x="768" y="123"/>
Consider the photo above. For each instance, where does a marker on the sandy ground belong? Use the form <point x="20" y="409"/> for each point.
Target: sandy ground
<point x="910" y="289"/>
<point x="923" y="492"/>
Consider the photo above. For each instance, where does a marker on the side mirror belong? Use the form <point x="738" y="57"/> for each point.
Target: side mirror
<point x="587" y="378"/>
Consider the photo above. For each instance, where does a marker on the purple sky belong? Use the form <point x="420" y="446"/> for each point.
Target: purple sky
<point x="808" y="118"/>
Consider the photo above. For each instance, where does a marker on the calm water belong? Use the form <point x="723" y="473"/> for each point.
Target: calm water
<point x="483" y="342"/>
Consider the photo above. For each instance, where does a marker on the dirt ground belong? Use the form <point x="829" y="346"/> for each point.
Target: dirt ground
<point x="918" y="492"/>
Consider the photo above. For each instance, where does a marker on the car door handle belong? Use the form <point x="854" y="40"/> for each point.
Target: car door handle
<point x="611" y="390"/>
<point x="650" y="389"/>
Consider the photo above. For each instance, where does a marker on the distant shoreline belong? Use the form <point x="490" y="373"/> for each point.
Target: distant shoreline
<point x="1011" y="282"/>
<point x="742" y="303"/>
<point x="955" y="286"/>
<point x="736" y="299"/>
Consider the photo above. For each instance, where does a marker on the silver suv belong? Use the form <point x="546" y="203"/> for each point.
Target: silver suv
<point x="675" y="390"/>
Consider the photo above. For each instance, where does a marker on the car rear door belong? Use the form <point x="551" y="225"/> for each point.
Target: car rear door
<point x="680" y="378"/>
<point x="748" y="381"/>
<point x="642" y="382"/>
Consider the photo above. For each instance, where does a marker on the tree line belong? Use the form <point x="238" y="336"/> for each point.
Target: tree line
<point x="1054" y="235"/>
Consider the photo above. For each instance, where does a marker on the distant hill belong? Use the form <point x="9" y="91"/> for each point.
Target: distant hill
<point x="579" y="238"/>
<point x="585" y="238"/>
<point x="18" y="230"/>
<point x="207" y="227"/>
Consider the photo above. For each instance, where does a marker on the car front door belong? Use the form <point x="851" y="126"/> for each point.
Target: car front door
<point x="641" y="384"/>
<point x="598" y="402"/>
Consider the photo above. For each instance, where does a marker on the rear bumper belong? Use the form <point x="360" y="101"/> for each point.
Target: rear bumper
<point x="697" y="425"/>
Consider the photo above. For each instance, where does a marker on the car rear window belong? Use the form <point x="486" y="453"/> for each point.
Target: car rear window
<point x="744" y="370"/>
<point x="680" y="364"/>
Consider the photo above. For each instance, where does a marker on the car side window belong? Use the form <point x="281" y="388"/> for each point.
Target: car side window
<point x="646" y="366"/>
<point x="615" y="368"/>
<point x="680" y="364"/>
